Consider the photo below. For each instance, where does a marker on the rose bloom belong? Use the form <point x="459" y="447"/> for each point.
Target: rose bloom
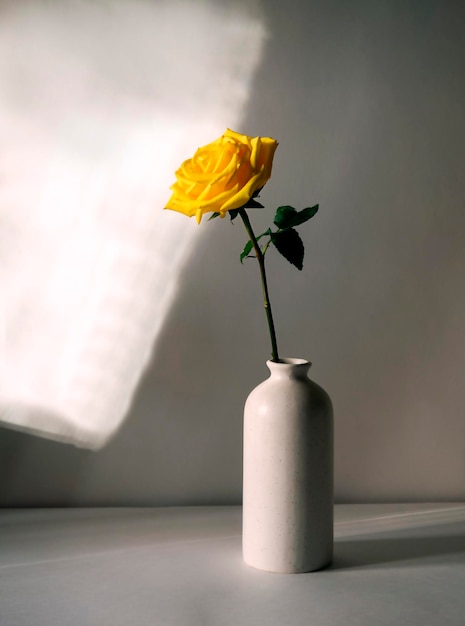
<point x="222" y="175"/>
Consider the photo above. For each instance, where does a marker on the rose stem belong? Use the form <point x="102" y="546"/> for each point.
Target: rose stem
<point x="266" y="298"/>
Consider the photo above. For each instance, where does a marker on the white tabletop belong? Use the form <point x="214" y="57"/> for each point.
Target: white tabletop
<point x="396" y="565"/>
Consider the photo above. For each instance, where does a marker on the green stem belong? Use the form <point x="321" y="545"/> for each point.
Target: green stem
<point x="266" y="298"/>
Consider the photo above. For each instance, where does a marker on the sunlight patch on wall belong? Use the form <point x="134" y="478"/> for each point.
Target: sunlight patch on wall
<point x="100" y="104"/>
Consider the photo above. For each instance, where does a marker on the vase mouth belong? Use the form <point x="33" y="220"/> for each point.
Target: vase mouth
<point x="289" y="361"/>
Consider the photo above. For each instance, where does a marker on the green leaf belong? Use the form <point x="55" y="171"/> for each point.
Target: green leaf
<point x="289" y="244"/>
<point x="249" y="245"/>
<point x="213" y="215"/>
<point x="233" y="213"/>
<point x="247" y="250"/>
<point x="284" y="216"/>
<point x="305" y="215"/>
<point x="287" y="217"/>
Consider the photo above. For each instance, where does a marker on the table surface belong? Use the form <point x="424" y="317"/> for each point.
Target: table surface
<point x="396" y="565"/>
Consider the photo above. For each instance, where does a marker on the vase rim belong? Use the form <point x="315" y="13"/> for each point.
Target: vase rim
<point x="289" y="361"/>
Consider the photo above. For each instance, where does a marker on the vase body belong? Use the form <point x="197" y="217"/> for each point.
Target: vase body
<point x="288" y="472"/>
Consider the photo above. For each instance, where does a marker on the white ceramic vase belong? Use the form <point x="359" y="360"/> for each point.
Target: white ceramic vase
<point x="288" y="472"/>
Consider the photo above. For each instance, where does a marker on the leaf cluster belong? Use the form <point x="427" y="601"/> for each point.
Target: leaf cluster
<point x="285" y="239"/>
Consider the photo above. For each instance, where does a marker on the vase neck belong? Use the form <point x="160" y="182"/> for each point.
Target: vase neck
<point x="289" y="368"/>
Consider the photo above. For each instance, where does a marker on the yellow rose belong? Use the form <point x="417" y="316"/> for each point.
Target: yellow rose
<point x="222" y="175"/>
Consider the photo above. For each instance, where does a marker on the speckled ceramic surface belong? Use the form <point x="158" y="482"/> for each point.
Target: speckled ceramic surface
<point x="288" y="472"/>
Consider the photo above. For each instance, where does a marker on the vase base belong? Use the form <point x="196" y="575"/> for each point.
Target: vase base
<point x="290" y="570"/>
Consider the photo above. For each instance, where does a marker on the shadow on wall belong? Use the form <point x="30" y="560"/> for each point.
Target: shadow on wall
<point x="374" y="131"/>
<point x="38" y="472"/>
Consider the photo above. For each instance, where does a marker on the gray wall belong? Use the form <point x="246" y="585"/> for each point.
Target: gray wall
<point x="366" y="99"/>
